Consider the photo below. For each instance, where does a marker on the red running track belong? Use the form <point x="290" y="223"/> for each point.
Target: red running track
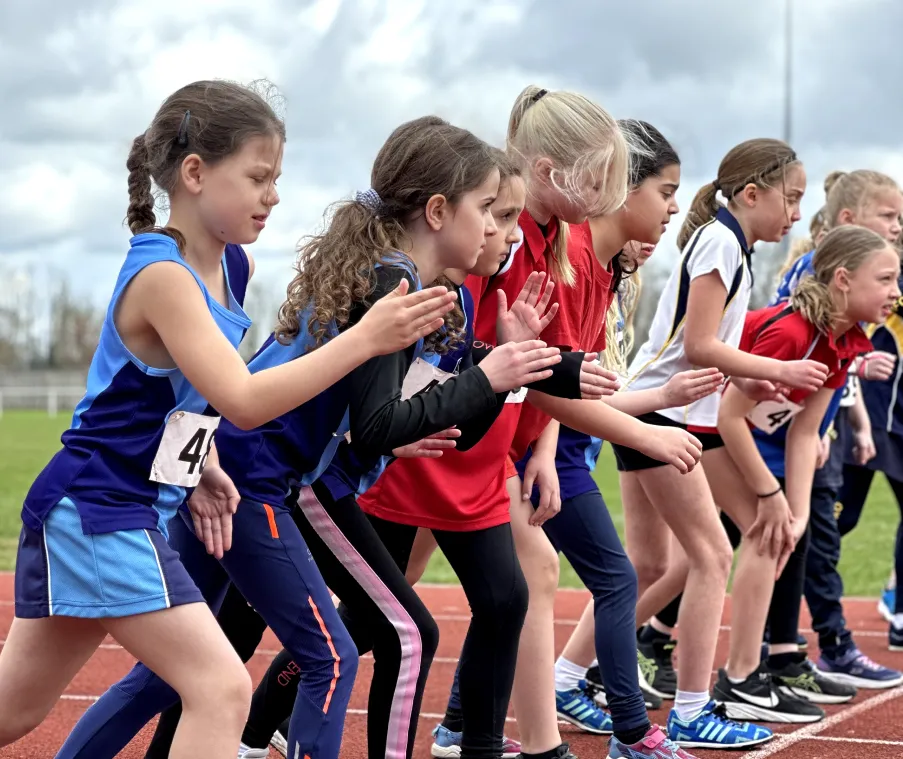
<point x="872" y="725"/>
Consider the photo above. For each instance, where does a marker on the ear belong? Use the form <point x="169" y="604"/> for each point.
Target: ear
<point x="542" y="170"/>
<point x="191" y="173"/>
<point x="842" y="279"/>
<point x="846" y="216"/>
<point x="436" y="212"/>
<point x="749" y="195"/>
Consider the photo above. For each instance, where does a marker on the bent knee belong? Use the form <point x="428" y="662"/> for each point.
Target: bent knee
<point x="541" y="571"/>
<point x="227" y="689"/>
<point x="16" y="724"/>
<point x="715" y="556"/>
<point x="650" y="568"/>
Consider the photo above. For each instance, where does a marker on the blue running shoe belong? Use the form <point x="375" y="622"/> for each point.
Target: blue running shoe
<point x="576" y="707"/>
<point x="655" y="745"/>
<point x="447" y="745"/>
<point x="855" y="668"/>
<point x="887" y="604"/>
<point x="712" y="729"/>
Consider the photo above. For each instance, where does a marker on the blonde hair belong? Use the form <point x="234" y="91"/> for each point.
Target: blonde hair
<point x="623" y="305"/>
<point x="581" y="140"/>
<point x="762" y="162"/>
<point x="847" y="247"/>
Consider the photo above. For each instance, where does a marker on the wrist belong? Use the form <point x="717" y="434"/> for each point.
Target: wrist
<point x="358" y="343"/>
<point x="764" y="495"/>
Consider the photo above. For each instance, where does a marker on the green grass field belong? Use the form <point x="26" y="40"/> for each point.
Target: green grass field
<point x="28" y="440"/>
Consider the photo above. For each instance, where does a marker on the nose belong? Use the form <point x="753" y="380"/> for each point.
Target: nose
<point x="491" y="227"/>
<point x="796" y="215"/>
<point x="272" y="198"/>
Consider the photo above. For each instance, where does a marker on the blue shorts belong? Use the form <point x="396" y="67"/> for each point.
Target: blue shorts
<point x="60" y="571"/>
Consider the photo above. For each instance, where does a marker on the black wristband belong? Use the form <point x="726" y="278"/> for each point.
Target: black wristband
<point x="769" y="495"/>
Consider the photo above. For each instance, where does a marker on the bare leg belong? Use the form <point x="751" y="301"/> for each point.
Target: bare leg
<point x="38" y="660"/>
<point x="421" y="553"/>
<point x="581" y="646"/>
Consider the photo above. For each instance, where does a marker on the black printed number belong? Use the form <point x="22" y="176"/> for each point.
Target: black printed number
<point x="195" y="452"/>
<point x="426" y="388"/>
<point x="778" y="417"/>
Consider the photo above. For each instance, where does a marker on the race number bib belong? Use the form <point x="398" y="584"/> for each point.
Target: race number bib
<point x="183" y="450"/>
<point x="519" y="397"/>
<point x="769" y="416"/>
<point x="850" y="391"/>
<point x="421" y="377"/>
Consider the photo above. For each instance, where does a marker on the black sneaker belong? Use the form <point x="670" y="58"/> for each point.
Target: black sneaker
<point x="596" y="690"/>
<point x="761" y="698"/>
<point x="894" y="639"/>
<point x="657" y="673"/>
<point x="562" y="752"/>
<point x="803" y="679"/>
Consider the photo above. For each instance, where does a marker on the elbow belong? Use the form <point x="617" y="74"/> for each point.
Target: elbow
<point x="243" y="420"/>
<point x="697" y="352"/>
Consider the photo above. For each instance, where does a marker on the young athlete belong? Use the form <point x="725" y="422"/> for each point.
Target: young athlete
<point x="772" y="446"/>
<point x="93" y="557"/>
<point x="434" y="184"/>
<point x="314" y="506"/>
<point x="859" y="197"/>
<point x="698" y="323"/>
<point x="582" y="530"/>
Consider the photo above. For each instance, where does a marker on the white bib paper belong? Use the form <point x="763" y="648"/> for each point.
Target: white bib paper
<point x="769" y="416"/>
<point x="519" y="397"/>
<point x="183" y="450"/>
<point x="850" y="391"/>
<point x="422" y="376"/>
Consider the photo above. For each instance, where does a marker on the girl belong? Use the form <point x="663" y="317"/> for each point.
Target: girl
<point x="583" y="530"/>
<point x="854" y="279"/>
<point x="362" y="622"/>
<point x="427" y="211"/>
<point x="93" y="557"/>
<point x="575" y="162"/>
<point x="698" y="323"/>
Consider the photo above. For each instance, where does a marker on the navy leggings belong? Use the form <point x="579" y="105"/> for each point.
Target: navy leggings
<point x="270" y="565"/>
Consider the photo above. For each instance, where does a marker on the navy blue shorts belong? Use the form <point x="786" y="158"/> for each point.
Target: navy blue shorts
<point x="60" y="571"/>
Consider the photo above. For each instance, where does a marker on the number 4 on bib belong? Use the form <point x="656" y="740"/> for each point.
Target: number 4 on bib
<point x="769" y="416"/>
<point x="187" y="439"/>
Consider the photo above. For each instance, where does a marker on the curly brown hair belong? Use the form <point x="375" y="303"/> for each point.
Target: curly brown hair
<point x="336" y="269"/>
<point x="211" y="119"/>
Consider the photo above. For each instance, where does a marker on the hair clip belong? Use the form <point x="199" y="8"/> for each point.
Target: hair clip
<point x="182" y="139"/>
<point x="539" y="95"/>
<point x="369" y="199"/>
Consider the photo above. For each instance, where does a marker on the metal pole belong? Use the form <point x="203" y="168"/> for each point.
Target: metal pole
<point x="788" y="70"/>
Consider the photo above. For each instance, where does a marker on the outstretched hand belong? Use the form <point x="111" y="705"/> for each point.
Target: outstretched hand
<point x="530" y="313"/>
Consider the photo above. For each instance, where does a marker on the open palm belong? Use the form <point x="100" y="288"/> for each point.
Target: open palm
<point x="530" y="313"/>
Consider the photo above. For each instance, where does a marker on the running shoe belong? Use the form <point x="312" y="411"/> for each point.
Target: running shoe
<point x="252" y="753"/>
<point x="279" y="743"/>
<point x="888" y="603"/>
<point x="655" y="745"/>
<point x="596" y="690"/>
<point x="803" y="679"/>
<point x="760" y="697"/>
<point x="713" y="729"/>
<point x="447" y="745"/>
<point x="894" y="639"/>
<point x="656" y="664"/>
<point x="855" y="668"/>
<point x="580" y="710"/>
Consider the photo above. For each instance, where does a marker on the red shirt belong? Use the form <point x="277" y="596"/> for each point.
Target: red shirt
<point x="465" y="490"/>
<point x="582" y="311"/>
<point x="780" y="332"/>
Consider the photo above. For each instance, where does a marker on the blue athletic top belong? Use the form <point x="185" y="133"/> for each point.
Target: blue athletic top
<point x="139" y="435"/>
<point x="267" y="463"/>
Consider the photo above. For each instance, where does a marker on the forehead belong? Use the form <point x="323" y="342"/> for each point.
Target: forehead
<point x="512" y="192"/>
<point x="264" y="149"/>
<point x="886" y="197"/>
<point x="885" y="258"/>
<point x="795" y="179"/>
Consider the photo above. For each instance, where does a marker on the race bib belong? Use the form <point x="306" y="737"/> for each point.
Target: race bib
<point x="421" y="377"/>
<point x="183" y="450"/>
<point x="850" y="391"/>
<point x="769" y="416"/>
<point x="519" y="397"/>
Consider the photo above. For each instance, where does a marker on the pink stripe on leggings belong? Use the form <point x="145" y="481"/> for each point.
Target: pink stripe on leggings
<point x="408" y="634"/>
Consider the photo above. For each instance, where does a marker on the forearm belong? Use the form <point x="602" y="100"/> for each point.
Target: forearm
<point x="799" y="467"/>
<point x="732" y="362"/>
<point x="741" y="445"/>
<point x="593" y="418"/>
<point x="547" y="443"/>
<point x="859" y="417"/>
<point x="637" y="402"/>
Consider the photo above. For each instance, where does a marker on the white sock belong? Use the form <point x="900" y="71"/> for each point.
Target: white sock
<point x="594" y="663"/>
<point x="897" y="621"/>
<point x="690" y="705"/>
<point x="568" y="675"/>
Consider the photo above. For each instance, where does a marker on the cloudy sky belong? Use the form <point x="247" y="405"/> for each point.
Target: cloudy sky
<point x="79" y="80"/>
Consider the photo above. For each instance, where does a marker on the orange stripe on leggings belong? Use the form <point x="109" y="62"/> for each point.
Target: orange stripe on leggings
<point x="335" y="654"/>
<point x="271" y="518"/>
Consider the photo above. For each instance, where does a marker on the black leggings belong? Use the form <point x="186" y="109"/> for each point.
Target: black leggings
<point x="486" y="564"/>
<point x="784" y="611"/>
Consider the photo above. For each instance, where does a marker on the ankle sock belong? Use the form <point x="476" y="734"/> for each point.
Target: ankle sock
<point x="690" y="705"/>
<point x="568" y="675"/>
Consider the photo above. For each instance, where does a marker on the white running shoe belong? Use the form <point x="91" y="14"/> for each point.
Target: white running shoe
<point x="245" y="752"/>
<point x="279" y="743"/>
